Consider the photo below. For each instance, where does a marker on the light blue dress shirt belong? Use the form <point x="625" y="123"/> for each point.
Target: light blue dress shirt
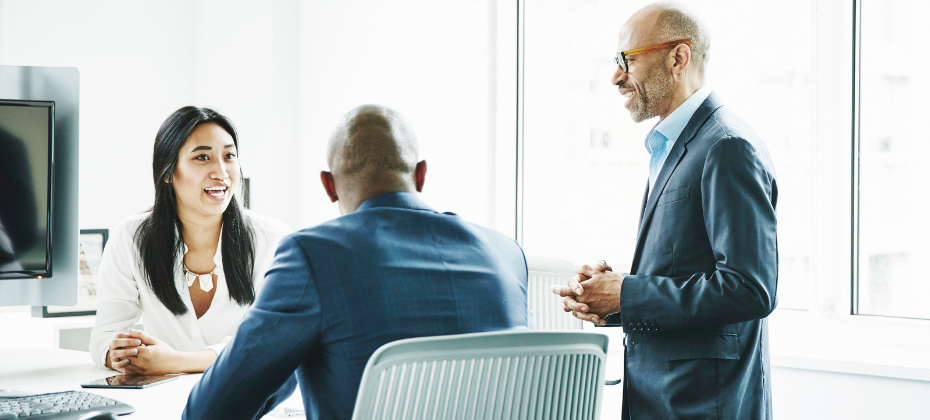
<point x="665" y="133"/>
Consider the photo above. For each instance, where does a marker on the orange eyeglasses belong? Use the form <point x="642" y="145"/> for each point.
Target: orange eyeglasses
<point x="621" y="57"/>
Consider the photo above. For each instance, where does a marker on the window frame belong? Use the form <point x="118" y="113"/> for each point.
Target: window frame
<point x="831" y="335"/>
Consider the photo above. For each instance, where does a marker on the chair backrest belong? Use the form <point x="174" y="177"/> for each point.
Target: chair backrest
<point x="547" y="306"/>
<point x="514" y="374"/>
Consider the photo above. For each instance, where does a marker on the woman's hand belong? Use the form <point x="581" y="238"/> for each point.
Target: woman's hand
<point x="152" y="357"/>
<point x="122" y="349"/>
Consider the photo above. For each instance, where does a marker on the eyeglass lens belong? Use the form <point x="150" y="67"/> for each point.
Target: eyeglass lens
<point x="620" y="60"/>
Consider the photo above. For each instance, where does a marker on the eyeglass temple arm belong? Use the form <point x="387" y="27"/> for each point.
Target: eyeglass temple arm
<point x="658" y="47"/>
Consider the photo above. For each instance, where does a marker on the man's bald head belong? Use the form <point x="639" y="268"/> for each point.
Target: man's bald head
<point x="656" y="82"/>
<point x="372" y="151"/>
<point x="669" y="21"/>
<point x="372" y="141"/>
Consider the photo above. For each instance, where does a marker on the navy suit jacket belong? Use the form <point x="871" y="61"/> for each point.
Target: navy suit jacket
<point x="336" y="292"/>
<point x="703" y="278"/>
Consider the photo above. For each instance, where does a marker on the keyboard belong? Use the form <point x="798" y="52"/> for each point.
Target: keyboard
<point x="60" y="406"/>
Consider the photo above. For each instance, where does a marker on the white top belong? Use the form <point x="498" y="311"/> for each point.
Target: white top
<point x="123" y="296"/>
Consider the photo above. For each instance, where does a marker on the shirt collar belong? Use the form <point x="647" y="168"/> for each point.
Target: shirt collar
<point x="672" y="126"/>
<point x="654" y="140"/>
<point x="403" y="200"/>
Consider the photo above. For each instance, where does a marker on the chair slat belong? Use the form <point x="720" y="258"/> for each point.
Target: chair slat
<point x="501" y="375"/>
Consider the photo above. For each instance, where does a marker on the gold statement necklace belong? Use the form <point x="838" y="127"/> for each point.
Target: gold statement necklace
<point x="206" y="280"/>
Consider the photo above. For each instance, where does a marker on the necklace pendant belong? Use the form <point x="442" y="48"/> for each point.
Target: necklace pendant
<point x="189" y="277"/>
<point x="206" y="282"/>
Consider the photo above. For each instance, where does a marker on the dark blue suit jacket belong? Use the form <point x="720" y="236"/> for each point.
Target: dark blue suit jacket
<point x="704" y="278"/>
<point x="336" y="292"/>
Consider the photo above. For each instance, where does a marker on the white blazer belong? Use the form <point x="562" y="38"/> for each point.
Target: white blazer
<point x="123" y="296"/>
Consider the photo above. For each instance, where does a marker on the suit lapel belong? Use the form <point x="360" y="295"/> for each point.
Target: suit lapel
<point x="642" y="210"/>
<point x="707" y="108"/>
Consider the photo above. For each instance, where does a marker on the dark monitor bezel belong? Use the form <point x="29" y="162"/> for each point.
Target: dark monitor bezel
<point x="38" y="274"/>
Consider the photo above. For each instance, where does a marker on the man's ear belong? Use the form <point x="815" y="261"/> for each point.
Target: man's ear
<point x="680" y="58"/>
<point x="420" y="175"/>
<point x="329" y="185"/>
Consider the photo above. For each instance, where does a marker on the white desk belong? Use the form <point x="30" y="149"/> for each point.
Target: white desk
<point x="54" y="370"/>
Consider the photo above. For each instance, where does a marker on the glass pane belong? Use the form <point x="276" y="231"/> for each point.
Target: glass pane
<point x="893" y="225"/>
<point x="585" y="161"/>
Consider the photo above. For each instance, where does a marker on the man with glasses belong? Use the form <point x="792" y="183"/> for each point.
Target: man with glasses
<point x="704" y="272"/>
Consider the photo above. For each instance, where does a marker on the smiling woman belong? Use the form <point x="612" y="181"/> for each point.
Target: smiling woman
<point x="207" y="167"/>
<point x="192" y="265"/>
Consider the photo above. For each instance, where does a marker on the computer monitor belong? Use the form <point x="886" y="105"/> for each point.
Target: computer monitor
<point x="27" y="130"/>
<point x="39" y="185"/>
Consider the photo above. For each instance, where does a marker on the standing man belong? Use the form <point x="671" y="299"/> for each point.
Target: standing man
<point x="705" y="269"/>
<point x="390" y="268"/>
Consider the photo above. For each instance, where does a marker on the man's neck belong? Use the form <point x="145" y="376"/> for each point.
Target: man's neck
<point x="353" y="203"/>
<point x="680" y="93"/>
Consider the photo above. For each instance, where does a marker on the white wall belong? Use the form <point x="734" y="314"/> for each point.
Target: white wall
<point x="142" y="53"/>
<point x="435" y="62"/>
<point x="139" y="61"/>
<point x="245" y="65"/>
<point x="283" y="71"/>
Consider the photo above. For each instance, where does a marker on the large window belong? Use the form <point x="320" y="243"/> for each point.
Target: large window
<point x="893" y="226"/>
<point x="585" y="161"/>
<point x="851" y="218"/>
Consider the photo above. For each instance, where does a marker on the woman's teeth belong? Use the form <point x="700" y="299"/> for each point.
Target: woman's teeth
<point x="216" y="191"/>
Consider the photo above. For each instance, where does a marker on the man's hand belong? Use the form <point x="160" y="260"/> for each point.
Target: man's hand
<point x="153" y="357"/>
<point x="592" y="294"/>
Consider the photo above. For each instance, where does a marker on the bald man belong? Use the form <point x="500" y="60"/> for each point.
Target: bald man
<point x="390" y="268"/>
<point x="705" y="269"/>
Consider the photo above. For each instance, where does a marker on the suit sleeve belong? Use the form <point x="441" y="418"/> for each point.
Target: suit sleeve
<point x="255" y="371"/>
<point x="271" y="234"/>
<point x="738" y="196"/>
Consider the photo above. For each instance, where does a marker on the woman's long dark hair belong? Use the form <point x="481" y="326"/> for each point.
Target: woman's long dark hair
<point x="160" y="237"/>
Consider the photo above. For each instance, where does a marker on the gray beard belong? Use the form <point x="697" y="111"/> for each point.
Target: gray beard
<point x="654" y="88"/>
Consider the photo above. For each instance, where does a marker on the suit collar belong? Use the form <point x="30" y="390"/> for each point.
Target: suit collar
<point x="707" y="108"/>
<point x="402" y="200"/>
<point x="673" y="125"/>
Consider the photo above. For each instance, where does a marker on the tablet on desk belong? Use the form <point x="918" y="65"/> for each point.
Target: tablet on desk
<point x="130" y="381"/>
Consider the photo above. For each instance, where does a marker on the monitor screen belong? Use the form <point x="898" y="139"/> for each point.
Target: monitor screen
<point x="26" y="166"/>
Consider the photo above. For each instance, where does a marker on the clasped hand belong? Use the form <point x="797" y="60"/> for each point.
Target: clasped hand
<point x="592" y="293"/>
<point x="137" y="353"/>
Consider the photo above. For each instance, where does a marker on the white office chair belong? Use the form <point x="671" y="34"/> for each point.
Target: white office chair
<point x="497" y="375"/>
<point x="547" y="306"/>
